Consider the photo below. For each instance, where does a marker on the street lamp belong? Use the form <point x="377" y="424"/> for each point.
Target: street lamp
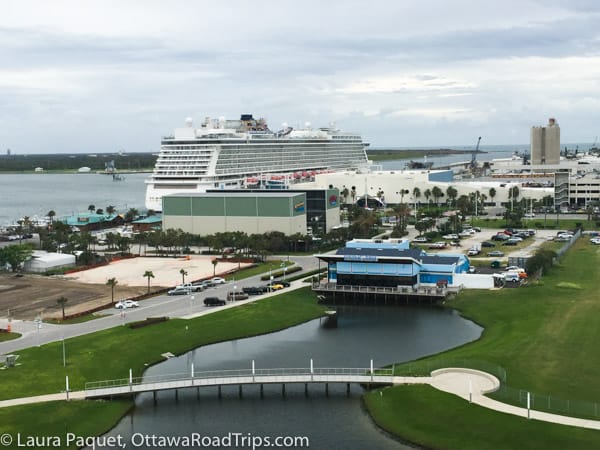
<point x="191" y="302"/>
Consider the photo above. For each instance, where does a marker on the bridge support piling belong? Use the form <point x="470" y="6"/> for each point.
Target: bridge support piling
<point x="176" y="395"/>
<point x="327" y="389"/>
<point x="240" y="392"/>
<point x="262" y="390"/>
<point x="347" y="388"/>
<point x="306" y="389"/>
<point x="198" y="392"/>
<point x="219" y="394"/>
<point x="283" y="390"/>
<point x="154" y="398"/>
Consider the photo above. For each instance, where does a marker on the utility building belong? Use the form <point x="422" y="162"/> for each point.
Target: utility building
<point x="249" y="212"/>
<point x="545" y="143"/>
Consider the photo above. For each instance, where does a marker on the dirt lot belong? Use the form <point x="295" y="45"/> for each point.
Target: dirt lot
<point x="30" y="295"/>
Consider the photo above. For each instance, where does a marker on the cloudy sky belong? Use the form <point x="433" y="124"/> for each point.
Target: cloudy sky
<point x="103" y="76"/>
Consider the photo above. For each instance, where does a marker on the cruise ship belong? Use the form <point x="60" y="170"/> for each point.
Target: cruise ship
<point x="244" y="153"/>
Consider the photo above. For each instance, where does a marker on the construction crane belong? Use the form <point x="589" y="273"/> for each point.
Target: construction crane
<point x="474" y="154"/>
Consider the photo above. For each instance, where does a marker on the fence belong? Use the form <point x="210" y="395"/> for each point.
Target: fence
<point x="506" y="394"/>
<point x="548" y="403"/>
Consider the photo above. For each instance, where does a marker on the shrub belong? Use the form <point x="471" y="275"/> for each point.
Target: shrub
<point x="146" y="322"/>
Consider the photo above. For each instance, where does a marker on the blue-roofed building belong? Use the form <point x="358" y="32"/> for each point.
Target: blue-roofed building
<point x="391" y="264"/>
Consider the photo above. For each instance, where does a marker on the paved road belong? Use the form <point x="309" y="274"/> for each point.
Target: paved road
<point x="159" y="306"/>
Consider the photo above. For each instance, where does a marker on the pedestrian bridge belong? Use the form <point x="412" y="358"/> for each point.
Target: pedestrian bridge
<point x="131" y="385"/>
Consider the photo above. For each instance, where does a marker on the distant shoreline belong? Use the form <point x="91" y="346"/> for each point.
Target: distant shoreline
<point x="391" y="155"/>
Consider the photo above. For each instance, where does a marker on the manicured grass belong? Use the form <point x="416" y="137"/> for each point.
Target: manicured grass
<point x="83" y="418"/>
<point x="545" y="335"/>
<point x="8" y="336"/>
<point x="74" y="320"/>
<point x="434" y="419"/>
<point x="258" y="270"/>
<point x="109" y="354"/>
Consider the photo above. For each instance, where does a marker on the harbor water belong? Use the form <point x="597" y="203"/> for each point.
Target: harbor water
<point x="336" y="420"/>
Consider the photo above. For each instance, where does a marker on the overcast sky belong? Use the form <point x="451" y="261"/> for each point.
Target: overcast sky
<point x="103" y="76"/>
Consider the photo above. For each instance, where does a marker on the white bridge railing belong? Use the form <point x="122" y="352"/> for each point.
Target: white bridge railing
<point x="246" y="376"/>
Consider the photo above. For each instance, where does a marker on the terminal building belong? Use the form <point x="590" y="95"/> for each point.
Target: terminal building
<point x="391" y="264"/>
<point x="252" y="211"/>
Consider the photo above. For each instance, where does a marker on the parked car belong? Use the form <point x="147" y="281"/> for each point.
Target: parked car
<point x="178" y="290"/>
<point x="218" y="280"/>
<point x="451" y="236"/>
<point x="529" y="215"/>
<point x="237" y="295"/>
<point x="595" y="241"/>
<point x="487" y="244"/>
<point x="276" y="286"/>
<point x="496" y="253"/>
<point x="255" y="290"/>
<point x="420" y="239"/>
<point x="191" y="287"/>
<point x="473" y="252"/>
<point x="511" y="241"/>
<point x="495" y="264"/>
<point x="514" y="269"/>
<point x="206" y="284"/>
<point x="213" y="301"/>
<point x="472" y="269"/>
<point x="283" y="283"/>
<point x="124" y="304"/>
<point x="500" y="237"/>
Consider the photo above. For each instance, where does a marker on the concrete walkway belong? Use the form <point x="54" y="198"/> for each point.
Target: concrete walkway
<point x="472" y="385"/>
<point x="469" y="384"/>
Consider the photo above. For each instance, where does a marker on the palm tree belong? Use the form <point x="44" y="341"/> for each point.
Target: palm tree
<point x="61" y="302"/>
<point x="183" y="274"/>
<point x="112" y="282"/>
<point x="91" y="209"/>
<point x="437" y="194"/>
<point x="451" y="193"/>
<point x="110" y="210"/>
<point x="51" y="214"/>
<point x="492" y="193"/>
<point x="131" y="214"/>
<point x="148" y="274"/>
<point x="416" y="194"/>
<point x="344" y="193"/>
<point x="427" y="194"/>
<point x="353" y="193"/>
<point x="214" y="263"/>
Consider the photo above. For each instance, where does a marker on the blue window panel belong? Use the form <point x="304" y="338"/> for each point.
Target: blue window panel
<point x="359" y="267"/>
<point x="375" y="268"/>
<point x="344" y="267"/>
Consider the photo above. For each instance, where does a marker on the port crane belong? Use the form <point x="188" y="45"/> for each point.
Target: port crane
<point x="474" y="154"/>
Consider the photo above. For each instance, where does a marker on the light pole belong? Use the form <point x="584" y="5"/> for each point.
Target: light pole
<point x="191" y="302"/>
<point x="64" y="352"/>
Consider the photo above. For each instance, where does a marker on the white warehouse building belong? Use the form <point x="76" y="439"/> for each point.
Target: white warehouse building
<point x="392" y="183"/>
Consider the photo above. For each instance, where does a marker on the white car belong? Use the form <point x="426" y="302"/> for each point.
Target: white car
<point x="218" y="280"/>
<point x="450" y="236"/>
<point x="595" y="241"/>
<point x="124" y="304"/>
<point x="420" y="239"/>
<point x="515" y="269"/>
<point x="529" y="215"/>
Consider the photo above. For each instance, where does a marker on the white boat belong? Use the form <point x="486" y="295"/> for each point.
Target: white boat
<point x="225" y="154"/>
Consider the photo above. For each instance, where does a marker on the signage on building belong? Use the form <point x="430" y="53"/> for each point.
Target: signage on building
<point x="333" y="200"/>
<point x="363" y="258"/>
<point x="299" y="207"/>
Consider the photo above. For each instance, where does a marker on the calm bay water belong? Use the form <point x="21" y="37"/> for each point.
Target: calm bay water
<point x="36" y="194"/>
<point x="386" y="335"/>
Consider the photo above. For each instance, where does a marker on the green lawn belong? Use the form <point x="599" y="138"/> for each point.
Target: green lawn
<point x="437" y="420"/>
<point x="74" y="320"/>
<point x="8" y="336"/>
<point x="544" y="336"/>
<point x="83" y="418"/>
<point x="549" y="223"/>
<point x="260" y="269"/>
<point x="109" y="354"/>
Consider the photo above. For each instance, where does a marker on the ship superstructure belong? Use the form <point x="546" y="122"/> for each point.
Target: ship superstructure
<point x="242" y="153"/>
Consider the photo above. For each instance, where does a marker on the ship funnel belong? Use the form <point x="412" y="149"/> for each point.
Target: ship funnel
<point x="189" y="122"/>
